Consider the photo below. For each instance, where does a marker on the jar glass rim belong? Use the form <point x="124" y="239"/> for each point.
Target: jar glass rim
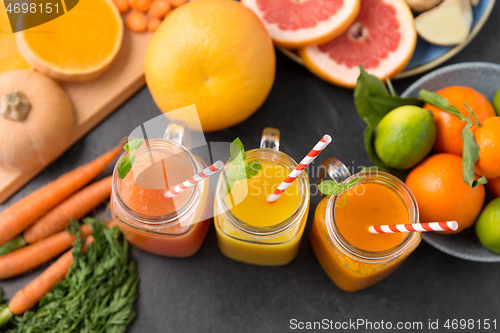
<point x="162" y="220"/>
<point x="400" y="189"/>
<point x="265" y="154"/>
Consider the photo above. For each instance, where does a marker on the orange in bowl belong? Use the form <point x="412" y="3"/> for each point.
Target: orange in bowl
<point x="441" y="193"/>
<point x="449" y="127"/>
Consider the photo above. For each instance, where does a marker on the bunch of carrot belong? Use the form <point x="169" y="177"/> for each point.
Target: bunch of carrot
<point x="42" y="215"/>
<point x="146" y="14"/>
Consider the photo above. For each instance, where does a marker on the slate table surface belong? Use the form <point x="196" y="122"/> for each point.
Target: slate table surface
<point x="211" y="293"/>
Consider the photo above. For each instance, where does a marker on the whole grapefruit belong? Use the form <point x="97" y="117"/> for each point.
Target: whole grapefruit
<point x="215" y="54"/>
<point x="441" y="193"/>
<point x="449" y="127"/>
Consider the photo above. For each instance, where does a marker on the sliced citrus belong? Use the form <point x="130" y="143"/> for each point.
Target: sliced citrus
<point x="83" y="42"/>
<point x="296" y="24"/>
<point x="382" y="39"/>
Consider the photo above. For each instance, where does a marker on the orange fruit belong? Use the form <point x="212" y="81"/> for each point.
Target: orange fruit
<point x="488" y="139"/>
<point x="441" y="193"/>
<point x="158" y="9"/>
<point x="382" y="39"/>
<point x="297" y="24"/>
<point x="215" y="54"/>
<point x="493" y="186"/>
<point x="122" y="5"/>
<point x="136" y="21"/>
<point x="83" y="42"/>
<point x="140" y="5"/>
<point x="448" y="127"/>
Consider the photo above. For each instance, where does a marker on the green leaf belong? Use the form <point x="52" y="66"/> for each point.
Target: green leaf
<point x="237" y="151"/>
<point x="440" y="102"/>
<point x="470" y="156"/>
<point x="252" y="169"/>
<point x="240" y="168"/>
<point x="133" y="145"/>
<point x="329" y="187"/>
<point x="125" y="165"/>
<point x="368" y="86"/>
<point x="385" y="104"/>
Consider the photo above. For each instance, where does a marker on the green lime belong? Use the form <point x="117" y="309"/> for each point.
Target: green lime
<point x="405" y="136"/>
<point x="496" y="102"/>
<point x="488" y="226"/>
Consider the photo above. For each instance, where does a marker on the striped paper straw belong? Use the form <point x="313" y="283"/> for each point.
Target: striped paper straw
<point x="325" y="141"/>
<point x="195" y="180"/>
<point x="416" y="227"/>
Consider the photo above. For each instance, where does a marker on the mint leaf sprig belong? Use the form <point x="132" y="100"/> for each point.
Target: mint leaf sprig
<point x="470" y="153"/>
<point x="127" y="162"/>
<point x="329" y="187"/>
<point x="241" y="169"/>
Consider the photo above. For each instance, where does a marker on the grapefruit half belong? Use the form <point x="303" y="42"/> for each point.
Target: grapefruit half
<point x="299" y="23"/>
<point x="382" y="39"/>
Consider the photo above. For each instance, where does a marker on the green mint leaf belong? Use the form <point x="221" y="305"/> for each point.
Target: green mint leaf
<point x="329" y="187"/>
<point x="125" y="165"/>
<point x="385" y="104"/>
<point x="439" y="101"/>
<point x="470" y="156"/>
<point x="237" y="151"/>
<point x="352" y="182"/>
<point x="480" y="181"/>
<point x="252" y="169"/>
<point x="367" y="86"/>
<point x="133" y="145"/>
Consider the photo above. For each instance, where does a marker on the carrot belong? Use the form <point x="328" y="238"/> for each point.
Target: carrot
<point x="31" y="256"/>
<point x="75" y="207"/>
<point x="28" y="297"/>
<point x="20" y="215"/>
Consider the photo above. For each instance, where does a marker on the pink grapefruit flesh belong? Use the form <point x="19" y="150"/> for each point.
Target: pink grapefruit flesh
<point x="299" y="23"/>
<point x="382" y="39"/>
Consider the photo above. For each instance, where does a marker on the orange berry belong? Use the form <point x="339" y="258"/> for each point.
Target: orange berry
<point x="449" y="127"/>
<point x="159" y="9"/>
<point x="140" y="5"/>
<point x="153" y="24"/>
<point x="136" y="21"/>
<point x="122" y="5"/>
<point x="493" y="186"/>
<point x="441" y="193"/>
<point x="488" y="139"/>
<point x="177" y="3"/>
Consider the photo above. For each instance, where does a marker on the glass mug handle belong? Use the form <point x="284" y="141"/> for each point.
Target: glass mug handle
<point x="177" y="131"/>
<point x="270" y="138"/>
<point x="333" y="168"/>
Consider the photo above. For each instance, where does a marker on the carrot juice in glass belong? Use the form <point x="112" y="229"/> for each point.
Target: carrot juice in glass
<point x="353" y="257"/>
<point x="174" y="227"/>
<point x="252" y="230"/>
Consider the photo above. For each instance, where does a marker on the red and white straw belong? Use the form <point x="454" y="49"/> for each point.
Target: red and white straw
<point x="416" y="227"/>
<point x="318" y="148"/>
<point x="195" y="180"/>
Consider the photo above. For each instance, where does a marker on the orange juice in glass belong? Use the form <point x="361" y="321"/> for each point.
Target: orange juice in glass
<point x="252" y="230"/>
<point x="174" y="227"/>
<point x="353" y="257"/>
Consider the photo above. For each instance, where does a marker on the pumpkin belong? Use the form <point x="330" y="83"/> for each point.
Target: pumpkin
<point x="36" y="120"/>
<point x="81" y="44"/>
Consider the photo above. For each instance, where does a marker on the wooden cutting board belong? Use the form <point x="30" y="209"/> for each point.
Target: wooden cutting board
<point x="94" y="100"/>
